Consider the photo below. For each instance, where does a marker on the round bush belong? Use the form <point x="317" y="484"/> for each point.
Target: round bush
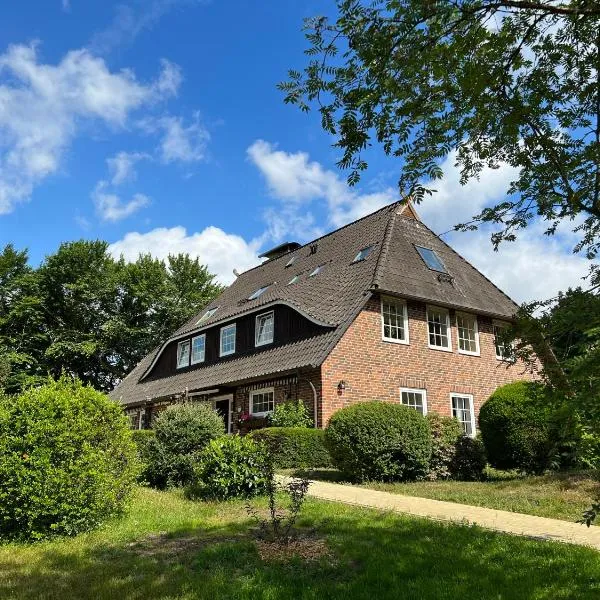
<point x="181" y="432"/>
<point x="514" y="424"/>
<point x="294" y="447"/>
<point x="469" y="459"/>
<point x="379" y="441"/>
<point x="67" y="460"/>
<point x="230" y="467"/>
<point x="445" y="433"/>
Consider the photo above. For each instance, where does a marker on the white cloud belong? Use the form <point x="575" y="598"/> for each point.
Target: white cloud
<point x="297" y="182"/>
<point x="220" y="251"/>
<point x="43" y="106"/>
<point x="179" y="142"/>
<point x="122" y="166"/>
<point x="111" y="208"/>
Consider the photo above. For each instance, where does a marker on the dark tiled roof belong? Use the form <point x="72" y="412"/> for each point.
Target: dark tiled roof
<point x="330" y="298"/>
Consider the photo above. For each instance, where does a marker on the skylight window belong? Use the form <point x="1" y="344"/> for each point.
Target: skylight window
<point x="431" y="259"/>
<point x="316" y="271"/>
<point x="293" y="279"/>
<point x="362" y="254"/>
<point x="259" y="292"/>
<point x="207" y="315"/>
<point x="290" y="262"/>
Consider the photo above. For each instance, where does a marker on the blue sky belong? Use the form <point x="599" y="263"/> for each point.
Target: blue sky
<point x="156" y="126"/>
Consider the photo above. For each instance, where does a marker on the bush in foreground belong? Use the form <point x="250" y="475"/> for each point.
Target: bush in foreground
<point x="143" y="439"/>
<point x="379" y="441"/>
<point x="295" y="447"/>
<point x="445" y="433"/>
<point x="469" y="459"/>
<point x="67" y="461"/>
<point x="230" y="467"/>
<point x="181" y="432"/>
<point x="515" y="430"/>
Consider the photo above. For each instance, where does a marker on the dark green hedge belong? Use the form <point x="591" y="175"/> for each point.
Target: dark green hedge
<point x="379" y="441"/>
<point x="295" y="447"/>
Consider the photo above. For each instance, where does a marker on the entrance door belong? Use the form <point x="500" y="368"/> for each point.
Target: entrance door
<point x="223" y="407"/>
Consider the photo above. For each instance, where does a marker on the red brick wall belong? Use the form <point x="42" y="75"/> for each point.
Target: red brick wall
<point x="376" y="370"/>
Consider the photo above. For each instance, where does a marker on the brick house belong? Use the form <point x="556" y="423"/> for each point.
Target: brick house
<point x="380" y="309"/>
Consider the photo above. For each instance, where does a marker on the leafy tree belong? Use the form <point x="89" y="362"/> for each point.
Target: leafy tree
<point x="84" y="313"/>
<point x="512" y="82"/>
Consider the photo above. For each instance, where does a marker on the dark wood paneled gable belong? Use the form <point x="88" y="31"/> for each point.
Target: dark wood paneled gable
<point x="290" y="326"/>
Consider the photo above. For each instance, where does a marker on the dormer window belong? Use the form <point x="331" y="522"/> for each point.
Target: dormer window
<point x="183" y="354"/>
<point x="259" y="292"/>
<point x="264" y="329"/>
<point x="316" y="271"/>
<point x="290" y="262"/>
<point x="227" y="345"/>
<point x="431" y="259"/>
<point x="363" y="254"/>
<point x="207" y="315"/>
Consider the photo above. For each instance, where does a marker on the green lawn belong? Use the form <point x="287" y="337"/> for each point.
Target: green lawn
<point x="168" y="547"/>
<point x="558" y="495"/>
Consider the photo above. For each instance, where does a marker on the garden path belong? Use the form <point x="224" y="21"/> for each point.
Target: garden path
<point x="488" y="518"/>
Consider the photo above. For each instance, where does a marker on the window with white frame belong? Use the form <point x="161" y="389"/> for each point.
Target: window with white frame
<point x="462" y="409"/>
<point x="264" y="329"/>
<point x="198" y="348"/>
<point x="438" y="326"/>
<point x="504" y="347"/>
<point x="183" y="354"/>
<point x="262" y="402"/>
<point x="468" y="333"/>
<point x="394" y="320"/>
<point x="414" y="398"/>
<point x="227" y="345"/>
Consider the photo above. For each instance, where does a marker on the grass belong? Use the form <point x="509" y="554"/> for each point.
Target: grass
<point x="556" y="495"/>
<point x="171" y="548"/>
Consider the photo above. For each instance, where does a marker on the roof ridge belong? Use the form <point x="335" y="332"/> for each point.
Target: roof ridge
<point x="389" y="228"/>
<point x="468" y="263"/>
<point x="386" y="207"/>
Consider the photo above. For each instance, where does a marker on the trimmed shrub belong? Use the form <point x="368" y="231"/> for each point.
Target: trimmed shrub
<point x="379" y="441"/>
<point x="515" y="429"/>
<point x="67" y="460"/>
<point x="294" y="447"/>
<point x="143" y="439"/>
<point x="445" y="433"/>
<point x="469" y="459"/>
<point x="181" y="432"/>
<point x="291" y="414"/>
<point x="230" y="467"/>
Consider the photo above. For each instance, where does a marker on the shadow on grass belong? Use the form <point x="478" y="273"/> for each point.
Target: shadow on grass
<point x="376" y="556"/>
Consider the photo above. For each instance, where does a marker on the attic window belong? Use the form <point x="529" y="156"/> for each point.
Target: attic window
<point x="207" y="315"/>
<point x="316" y="271"/>
<point x="259" y="292"/>
<point x="293" y="279"/>
<point x="431" y="259"/>
<point x="363" y="254"/>
<point x="290" y="262"/>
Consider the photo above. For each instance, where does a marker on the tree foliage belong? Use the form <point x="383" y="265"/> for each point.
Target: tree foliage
<point x="89" y="315"/>
<point x="499" y="82"/>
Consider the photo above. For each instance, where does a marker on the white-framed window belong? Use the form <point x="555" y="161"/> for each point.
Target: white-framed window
<point x="394" y="320"/>
<point x="183" y="354"/>
<point x="265" y="325"/>
<point x="462" y="409"/>
<point x="504" y="348"/>
<point x="198" y="348"/>
<point x="227" y="345"/>
<point x="468" y="333"/>
<point x="262" y="402"/>
<point x="438" y="328"/>
<point x="414" y="398"/>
